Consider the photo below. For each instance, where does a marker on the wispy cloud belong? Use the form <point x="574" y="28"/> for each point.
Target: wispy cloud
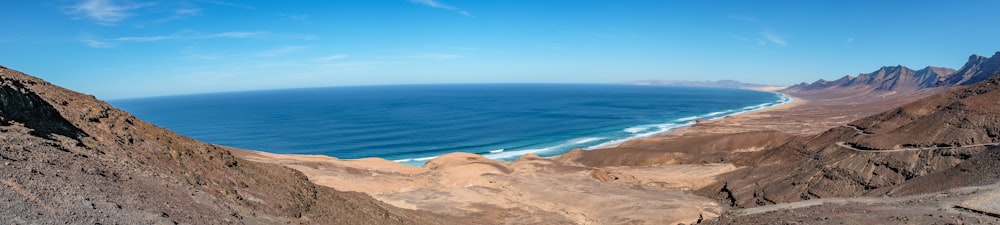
<point x="434" y="56"/>
<point x="439" y="5"/>
<point x="299" y="17"/>
<point x="773" y="38"/>
<point x="145" y="38"/>
<point x="106" y="12"/>
<point x="187" y="11"/>
<point x="96" y="42"/>
<point x="230" y="4"/>
<point x="191" y="35"/>
<point x="333" y="57"/>
<point x="764" y="38"/>
<point x="181" y="13"/>
<point x="850" y="40"/>
<point x="281" y="51"/>
<point x="235" y="34"/>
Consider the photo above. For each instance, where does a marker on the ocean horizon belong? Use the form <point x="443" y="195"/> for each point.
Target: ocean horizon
<point x="415" y="123"/>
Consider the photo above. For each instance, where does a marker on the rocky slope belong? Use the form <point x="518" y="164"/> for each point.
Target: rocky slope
<point x="978" y="68"/>
<point x="69" y="158"/>
<point x="937" y="143"/>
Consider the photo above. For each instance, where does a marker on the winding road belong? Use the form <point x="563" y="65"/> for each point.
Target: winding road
<point x="862" y="132"/>
<point x="845" y="145"/>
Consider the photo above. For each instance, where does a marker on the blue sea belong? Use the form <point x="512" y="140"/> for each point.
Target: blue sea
<point x="414" y="123"/>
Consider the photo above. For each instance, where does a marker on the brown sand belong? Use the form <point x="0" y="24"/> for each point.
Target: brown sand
<point x="563" y="191"/>
<point x="530" y="190"/>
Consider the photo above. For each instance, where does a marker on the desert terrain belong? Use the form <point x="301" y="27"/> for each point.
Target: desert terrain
<point x="740" y="163"/>
<point x="645" y="181"/>
<point x="906" y="151"/>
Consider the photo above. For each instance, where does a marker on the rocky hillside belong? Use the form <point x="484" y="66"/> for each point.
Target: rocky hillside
<point x="978" y="68"/>
<point x="900" y="80"/>
<point x="962" y="117"/>
<point x="68" y="158"/>
<point x="943" y="141"/>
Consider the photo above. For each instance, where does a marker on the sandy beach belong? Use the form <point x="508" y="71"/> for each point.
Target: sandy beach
<point x="612" y="185"/>
<point x="465" y="184"/>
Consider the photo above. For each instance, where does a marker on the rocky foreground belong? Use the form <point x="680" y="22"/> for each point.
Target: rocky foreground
<point x="68" y="158"/>
<point x="916" y="152"/>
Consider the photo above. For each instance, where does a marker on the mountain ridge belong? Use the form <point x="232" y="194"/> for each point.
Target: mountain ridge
<point x="900" y="80"/>
<point x="977" y="68"/>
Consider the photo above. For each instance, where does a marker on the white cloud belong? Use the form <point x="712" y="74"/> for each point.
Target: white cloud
<point x="145" y="38"/>
<point x="439" y="5"/>
<point x="850" y="40"/>
<point x="187" y="11"/>
<point x="333" y="57"/>
<point x="106" y="12"/>
<point x="180" y="13"/>
<point x="434" y="56"/>
<point x="94" y="43"/>
<point x="232" y="5"/>
<point x="773" y="38"/>
<point x="281" y="51"/>
<point x="235" y="34"/>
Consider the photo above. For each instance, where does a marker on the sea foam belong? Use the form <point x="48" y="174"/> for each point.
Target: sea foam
<point x="631" y="133"/>
<point x="413" y="123"/>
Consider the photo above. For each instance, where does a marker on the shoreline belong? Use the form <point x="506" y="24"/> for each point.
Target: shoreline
<point x="791" y="103"/>
<point x="648" y="131"/>
<point x="459" y="182"/>
<point x="682" y="130"/>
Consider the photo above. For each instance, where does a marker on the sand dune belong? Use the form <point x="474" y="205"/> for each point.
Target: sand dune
<point x="529" y="190"/>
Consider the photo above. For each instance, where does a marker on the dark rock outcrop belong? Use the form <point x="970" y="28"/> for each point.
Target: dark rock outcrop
<point x="68" y="158"/>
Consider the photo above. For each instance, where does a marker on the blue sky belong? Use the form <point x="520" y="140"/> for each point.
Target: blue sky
<point x="121" y="49"/>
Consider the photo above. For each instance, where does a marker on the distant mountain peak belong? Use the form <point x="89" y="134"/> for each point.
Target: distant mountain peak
<point x="899" y="79"/>
<point x="978" y="68"/>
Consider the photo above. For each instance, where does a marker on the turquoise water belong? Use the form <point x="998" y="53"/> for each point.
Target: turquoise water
<point x="414" y="123"/>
